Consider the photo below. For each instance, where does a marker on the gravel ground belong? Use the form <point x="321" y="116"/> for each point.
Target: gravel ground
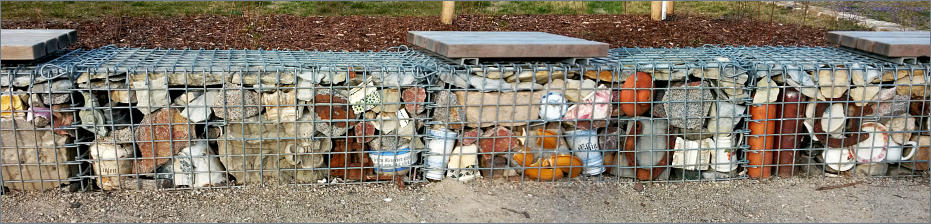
<point x="777" y="200"/>
<point x="380" y="32"/>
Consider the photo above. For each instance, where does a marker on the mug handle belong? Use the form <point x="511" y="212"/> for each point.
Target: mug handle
<point x="911" y="153"/>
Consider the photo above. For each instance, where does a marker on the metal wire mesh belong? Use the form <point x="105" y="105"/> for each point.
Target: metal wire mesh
<point x="165" y="118"/>
<point x="36" y="139"/>
<point x="632" y="115"/>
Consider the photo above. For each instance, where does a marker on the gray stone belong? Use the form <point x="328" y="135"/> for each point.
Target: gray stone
<point x="237" y="103"/>
<point x="687" y="105"/>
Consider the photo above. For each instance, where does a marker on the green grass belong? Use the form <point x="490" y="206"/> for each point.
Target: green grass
<point x="718" y="9"/>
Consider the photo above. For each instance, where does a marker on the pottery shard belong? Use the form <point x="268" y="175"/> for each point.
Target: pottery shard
<point x="504" y="109"/>
<point x="160" y="134"/>
<point x="498" y="139"/>
<point x="862" y="94"/>
<point x="574" y="90"/>
<point x="447" y="110"/>
<point x="364" y="131"/>
<point x="833" y="84"/>
<point x="253" y="78"/>
<point x="915" y="85"/>
<point x="332" y="107"/>
<point x="687" y="105"/>
<point x="390" y="101"/>
<point x="413" y="99"/>
<point x="282" y="106"/>
<point x="237" y="104"/>
<point x="470" y="137"/>
<point x="183" y="79"/>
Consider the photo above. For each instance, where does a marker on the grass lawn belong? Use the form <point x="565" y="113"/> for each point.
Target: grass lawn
<point x="717" y="9"/>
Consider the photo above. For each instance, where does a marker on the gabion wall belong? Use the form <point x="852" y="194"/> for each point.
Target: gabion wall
<point x="129" y="118"/>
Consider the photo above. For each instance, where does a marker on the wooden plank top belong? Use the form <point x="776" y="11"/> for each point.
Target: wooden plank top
<point x="31" y="44"/>
<point x="890" y="44"/>
<point x="480" y="44"/>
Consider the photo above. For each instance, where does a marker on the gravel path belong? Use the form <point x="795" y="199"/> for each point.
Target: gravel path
<point x="778" y="200"/>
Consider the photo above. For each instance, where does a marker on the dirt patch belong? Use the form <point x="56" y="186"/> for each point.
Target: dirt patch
<point x="377" y="33"/>
<point x="780" y="200"/>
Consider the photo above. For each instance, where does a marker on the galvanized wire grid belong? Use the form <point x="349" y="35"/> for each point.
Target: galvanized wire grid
<point x="497" y="119"/>
<point x="36" y="138"/>
<point x="504" y="125"/>
<point x="279" y="117"/>
<point x="839" y="113"/>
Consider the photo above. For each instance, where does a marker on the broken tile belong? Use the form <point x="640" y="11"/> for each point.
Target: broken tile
<point x="413" y="99"/>
<point x="364" y="131"/>
<point x="498" y="139"/>
<point x="364" y="97"/>
<point x="332" y="107"/>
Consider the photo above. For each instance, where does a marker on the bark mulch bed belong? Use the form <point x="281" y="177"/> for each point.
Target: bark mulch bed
<point x="376" y="33"/>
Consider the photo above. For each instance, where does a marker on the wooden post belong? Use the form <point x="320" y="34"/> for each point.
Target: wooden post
<point x="669" y="9"/>
<point x="656" y="10"/>
<point x="448" y="13"/>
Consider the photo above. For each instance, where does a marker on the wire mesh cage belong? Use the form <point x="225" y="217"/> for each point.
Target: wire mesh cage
<point x="36" y="137"/>
<point x="830" y="112"/>
<point x="164" y="118"/>
<point x="118" y="118"/>
<point x="644" y="114"/>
